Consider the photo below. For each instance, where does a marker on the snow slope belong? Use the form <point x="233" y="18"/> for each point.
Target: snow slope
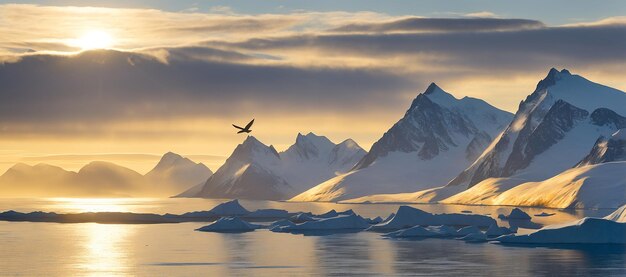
<point x="618" y="215"/>
<point x="437" y="131"/>
<point x="592" y="186"/>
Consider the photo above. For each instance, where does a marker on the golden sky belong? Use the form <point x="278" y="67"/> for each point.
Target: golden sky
<point x="129" y="84"/>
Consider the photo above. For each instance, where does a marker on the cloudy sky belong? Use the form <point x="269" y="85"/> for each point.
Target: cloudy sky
<point x="126" y="81"/>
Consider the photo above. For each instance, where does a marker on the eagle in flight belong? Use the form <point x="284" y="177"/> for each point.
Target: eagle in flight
<point x="244" y="129"/>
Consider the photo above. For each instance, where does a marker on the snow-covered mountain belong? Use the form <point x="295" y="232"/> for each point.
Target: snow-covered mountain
<point x="175" y="173"/>
<point x="22" y="180"/>
<point x="436" y="139"/>
<point x="313" y="159"/>
<point x="551" y="131"/>
<point x="249" y="173"/>
<point x="257" y="171"/>
<point x="102" y="179"/>
<point x="564" y="148"/>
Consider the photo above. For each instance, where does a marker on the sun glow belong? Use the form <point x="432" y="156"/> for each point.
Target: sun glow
<point x="94" y="39"/>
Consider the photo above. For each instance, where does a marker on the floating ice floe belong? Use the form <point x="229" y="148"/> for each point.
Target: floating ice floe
<point x="467" y="230"/>
<point x="230" y="208"/>
<point x="407" y="217"/>
<point x="474" y="237"/>
<point x="275" y="227"/>
<point x="544" y="214"/>
<point x="343" y="222"/>
<point x="333" y="213"/>
<point x="496" y="231"/>
<point x="302" y="217"/>
<point x="268" y="213"/>
<point x="418" y="231"/>
<point x="375" y="220"/>
<point x="516" y="214"/>
<point x="229" y="225"/>
<point x="585" y="231"/>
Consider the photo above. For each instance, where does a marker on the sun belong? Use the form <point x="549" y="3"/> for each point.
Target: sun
<point x="94" y="39"/>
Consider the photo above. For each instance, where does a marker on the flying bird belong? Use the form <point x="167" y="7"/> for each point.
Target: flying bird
<point x="244" y="129"/>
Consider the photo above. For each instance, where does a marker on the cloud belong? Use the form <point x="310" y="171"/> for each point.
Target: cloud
<point x="419" y="24"/>
<point x="179" y="79"/>
<point x="483" y="14"/>
<point x="113" y="85"/>
<point x="517" y="50"/>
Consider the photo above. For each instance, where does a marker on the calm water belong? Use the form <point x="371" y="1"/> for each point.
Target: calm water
<point x="54" y="249"/>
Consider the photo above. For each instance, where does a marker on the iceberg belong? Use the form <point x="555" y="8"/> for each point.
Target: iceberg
<point x="474" y="237"/>
<point x="467" y="230"/>
<point x="585" y="231"/>
<point x="442" y="231"/>
<point x="343" y="222"/>
<point x="375" y="220"/>
<point x="229" y="225"/>
<point x="230" y="208"/>
<point x="407" y="217"/>
<point x="333" y="213"/>
<point x="302" y="217"/>
<point x="544" y="214"/>
<point x="496" y="231"/>
<point x="515" y="214"/>
<point x="268" y="213"/>
<point x="276" y="226"/>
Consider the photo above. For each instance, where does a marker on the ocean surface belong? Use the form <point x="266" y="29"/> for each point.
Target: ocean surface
<point x="90" y="249"/>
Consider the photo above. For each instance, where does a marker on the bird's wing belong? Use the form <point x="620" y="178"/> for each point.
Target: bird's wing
<point x="249" y="124"/>
<point x="237" y="127"/>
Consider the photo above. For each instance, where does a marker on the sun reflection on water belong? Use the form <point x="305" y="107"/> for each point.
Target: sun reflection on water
<point x="105" y="248"/>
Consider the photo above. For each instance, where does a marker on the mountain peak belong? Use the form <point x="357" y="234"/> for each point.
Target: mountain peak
<point x="251" y="140"/>
<point x="349" y="143"/>
<point x="245" y="151"/>
<point x="432" y="88"/>
<point x="169" y="158"/>
<point x="553" y="76"/>
<point x="313" y="138"/>
<point x="170" y="155"/>
<point x="436" y="95"/>
<point x="309" y="146"/>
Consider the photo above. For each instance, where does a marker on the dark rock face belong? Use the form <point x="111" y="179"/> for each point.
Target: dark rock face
<point x="426" y="128"/>
<point x="550" y="80"/>
<point x="559" y="120"/>
<point x="604" y="151"/>
<point x="477" y="145"/>
<point x="606" y="117"/>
